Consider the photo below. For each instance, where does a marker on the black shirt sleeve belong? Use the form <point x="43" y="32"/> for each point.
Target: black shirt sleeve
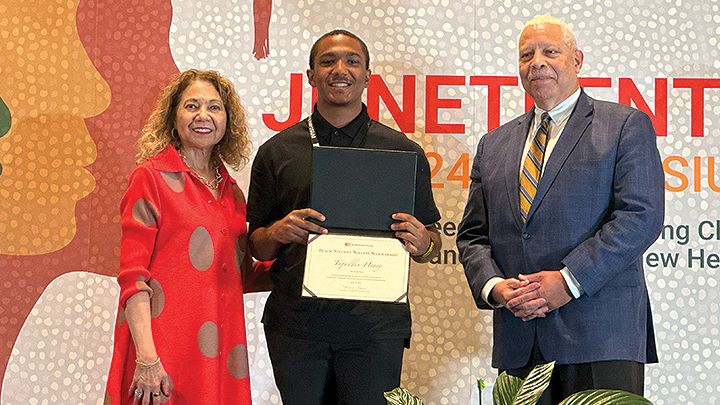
<point x="425" y="209"/>
<point x="261" y="192"/>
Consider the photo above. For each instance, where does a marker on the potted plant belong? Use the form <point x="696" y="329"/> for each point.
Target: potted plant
<point x="511" y="390"/>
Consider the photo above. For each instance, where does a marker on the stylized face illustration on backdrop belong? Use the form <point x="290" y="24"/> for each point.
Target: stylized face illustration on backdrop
<point x="49" y="86"/>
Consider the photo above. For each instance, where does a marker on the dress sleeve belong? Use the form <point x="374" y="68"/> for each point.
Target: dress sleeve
<point x="139" y="220"/>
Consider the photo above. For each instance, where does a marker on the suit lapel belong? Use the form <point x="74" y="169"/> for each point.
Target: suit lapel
<point x="516" y="143"/>
<point x="577" y="124"/>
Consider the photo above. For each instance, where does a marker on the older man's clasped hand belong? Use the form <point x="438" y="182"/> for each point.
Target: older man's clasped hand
<point x="533" y="295"/>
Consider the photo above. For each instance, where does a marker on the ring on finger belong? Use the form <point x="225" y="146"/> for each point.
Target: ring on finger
<point x="138" y="393"/>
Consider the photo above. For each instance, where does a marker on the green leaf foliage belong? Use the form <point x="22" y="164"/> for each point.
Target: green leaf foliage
<point x="535" y="384"/>
<point x="5" y="118"/>
<point x="5" y="122"/>
<point x="605" y="397"/>
<point x="401" y="396"/>
<point x="506" y="388"/>
<point x="510" y="390"/>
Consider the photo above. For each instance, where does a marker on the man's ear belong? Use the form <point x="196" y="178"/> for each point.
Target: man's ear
<point x="578" y="58"/>
<point x="311" y="77"/>
<point x="368" y="72"/>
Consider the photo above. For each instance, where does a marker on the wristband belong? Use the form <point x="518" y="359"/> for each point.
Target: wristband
<point x="428" y="251"/>
<point x="147" y="365"/>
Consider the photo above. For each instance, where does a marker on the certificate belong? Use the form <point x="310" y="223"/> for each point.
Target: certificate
<point x="356" y="268"/>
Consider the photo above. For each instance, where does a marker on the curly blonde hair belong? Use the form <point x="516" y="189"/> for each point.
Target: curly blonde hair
<point x="233" y="148"/>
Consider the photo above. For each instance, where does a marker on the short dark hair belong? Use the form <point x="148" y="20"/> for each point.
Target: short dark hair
<point x="314" y="50"/>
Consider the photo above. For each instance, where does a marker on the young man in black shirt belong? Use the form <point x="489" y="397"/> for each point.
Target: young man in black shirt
<point x="331" y="351"/>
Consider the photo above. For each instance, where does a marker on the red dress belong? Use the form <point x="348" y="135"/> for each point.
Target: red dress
<point x="186" y="248"/>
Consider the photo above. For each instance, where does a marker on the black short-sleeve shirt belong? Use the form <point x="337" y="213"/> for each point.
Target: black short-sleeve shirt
<point x="279" y="184"/>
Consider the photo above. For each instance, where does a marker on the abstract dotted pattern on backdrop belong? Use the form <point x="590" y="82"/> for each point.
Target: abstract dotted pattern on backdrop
<point x="80" y="78"/>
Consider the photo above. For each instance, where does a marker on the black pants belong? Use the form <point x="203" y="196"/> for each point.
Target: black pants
<point x="313" y="372"/>
<point x="568" y="379"/>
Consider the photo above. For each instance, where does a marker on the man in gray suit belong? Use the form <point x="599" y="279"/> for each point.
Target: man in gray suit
<point x="564" y="201"/>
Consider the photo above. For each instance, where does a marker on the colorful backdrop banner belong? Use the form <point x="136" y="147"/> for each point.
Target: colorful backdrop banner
<point x="79" y="78"/>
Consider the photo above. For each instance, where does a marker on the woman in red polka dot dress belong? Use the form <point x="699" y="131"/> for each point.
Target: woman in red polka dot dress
<point x="180" y="333"/>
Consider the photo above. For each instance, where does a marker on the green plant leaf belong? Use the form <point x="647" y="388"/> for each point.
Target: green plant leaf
<point x="534" y="385"/>
<point x="481" y="384"/>
<point x="510" y="390"/>
<point x="506" y="388"/>
<point x="401" y="396"/>
<point x="5" y="118"/>
<point x="605" y="397"/>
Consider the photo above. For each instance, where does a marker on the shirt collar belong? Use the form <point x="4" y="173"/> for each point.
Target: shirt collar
<point x="562" y="111"/>
<point x="324" y="129"/>
<point x="169" y="160"/>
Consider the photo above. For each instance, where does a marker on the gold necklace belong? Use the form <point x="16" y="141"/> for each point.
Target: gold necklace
<point x="214" y="183"/>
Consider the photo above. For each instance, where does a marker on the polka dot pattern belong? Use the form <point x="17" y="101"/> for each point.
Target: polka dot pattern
<point x="47" y="90"/>
<point x="64" y="349"/>
<point x="451" y="345"/>
<point x="140" y="284"/>
<point x="237" y="362"/>
<point x="121" y="316"/>
<point x="238" y="193"/>
<point x="145" y="212"/>
<point x="63" y="204"/>
<point x="240" y="255"/>
<point x="61" y="65"/>
<point x="157" y="301"/>
<point x="208" y="339"/>
<point x="43" y="177"/>
<point x="200" y="249"/>
<point x="174" y="180"/>
<point x="643" y="40"/>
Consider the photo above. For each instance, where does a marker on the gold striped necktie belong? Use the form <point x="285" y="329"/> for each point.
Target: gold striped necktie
<point x="532" y="166"/>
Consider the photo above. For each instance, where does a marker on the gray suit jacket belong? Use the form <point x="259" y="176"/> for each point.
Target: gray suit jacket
<point x="598" y="207"/>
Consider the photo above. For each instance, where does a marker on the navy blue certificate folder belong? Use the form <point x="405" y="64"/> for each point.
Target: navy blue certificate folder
<point x="359" y="189"/>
